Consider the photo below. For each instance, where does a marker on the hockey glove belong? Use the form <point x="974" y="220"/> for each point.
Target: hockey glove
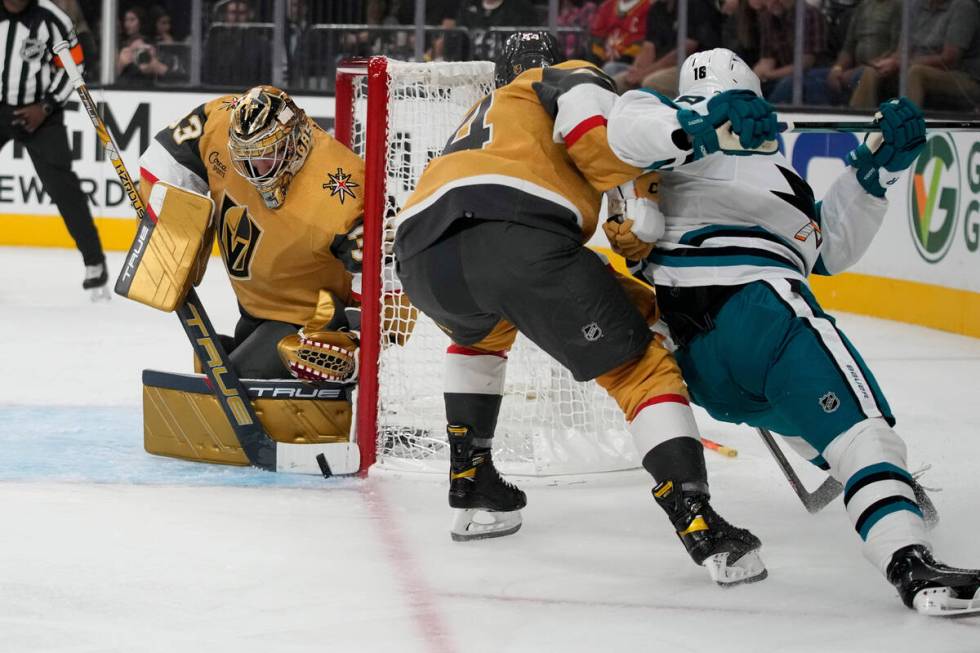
<point x="751" y="119"/>
<point x="883" y="156"/>
<point x="349" y="247"/>
<point x="635" y="220"/>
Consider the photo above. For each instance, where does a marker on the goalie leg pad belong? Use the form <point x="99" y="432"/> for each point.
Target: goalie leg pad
<point x="170" y="250"/>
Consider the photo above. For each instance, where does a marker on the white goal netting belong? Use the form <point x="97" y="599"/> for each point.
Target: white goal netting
<point x="549" y="424"/>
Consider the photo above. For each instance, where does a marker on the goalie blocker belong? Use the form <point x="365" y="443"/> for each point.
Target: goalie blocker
<point x="171" y="248"/>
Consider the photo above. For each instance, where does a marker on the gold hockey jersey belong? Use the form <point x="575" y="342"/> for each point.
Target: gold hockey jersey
<point x="533" y="151"/>
<point x="277" y="259"/>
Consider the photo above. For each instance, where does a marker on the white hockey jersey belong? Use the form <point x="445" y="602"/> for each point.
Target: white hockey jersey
<point x="735" y="219"/>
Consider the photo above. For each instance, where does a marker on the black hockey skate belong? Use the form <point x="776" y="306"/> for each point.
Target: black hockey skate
<point x="475" y="485"/>
<point x="932" y="588"/>
<point x="730" y="554"/>
<point x="96" y="282"/>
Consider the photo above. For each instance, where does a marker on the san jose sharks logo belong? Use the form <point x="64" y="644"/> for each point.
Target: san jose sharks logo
<point x="801" y="199"/>
<point x="239" y="236"/>
<point x="340" y="185"/>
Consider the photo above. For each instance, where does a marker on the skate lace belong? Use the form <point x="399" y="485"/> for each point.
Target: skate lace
<point x="495" y="475"/>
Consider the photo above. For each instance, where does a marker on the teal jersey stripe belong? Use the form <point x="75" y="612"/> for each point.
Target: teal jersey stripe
<point x="874" y="469"/>
<point x="674" y="261"/>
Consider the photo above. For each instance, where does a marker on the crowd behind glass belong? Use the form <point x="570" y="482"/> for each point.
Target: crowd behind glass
<point x="843" y="53"/>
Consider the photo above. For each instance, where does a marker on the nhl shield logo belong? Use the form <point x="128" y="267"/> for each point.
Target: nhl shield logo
<point x="31" y="49"/>
<point x="592" y="332"/>
<point x="829" y="402"/>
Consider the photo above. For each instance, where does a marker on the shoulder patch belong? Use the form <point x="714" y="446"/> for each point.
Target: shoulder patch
<point x="341" y="185"/>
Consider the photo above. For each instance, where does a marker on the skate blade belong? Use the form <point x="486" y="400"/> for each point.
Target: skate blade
<point x="100" y="294"/>
<point x="747" y="569"/>
<point x="465" y="526"/>
<point x="940" y="602"/>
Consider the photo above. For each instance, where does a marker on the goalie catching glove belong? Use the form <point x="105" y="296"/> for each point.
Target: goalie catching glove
<point x="325" y="349"/>
<point x="635" y="220"/>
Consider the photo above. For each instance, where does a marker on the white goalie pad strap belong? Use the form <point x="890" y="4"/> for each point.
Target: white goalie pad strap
<point x="472" y="372"/>
<point x="343" y="457"/>
<point x="662" y="418"/>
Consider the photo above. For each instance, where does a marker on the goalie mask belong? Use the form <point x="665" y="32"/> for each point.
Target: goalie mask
<point x="269" y="138"/>
<point x="524" y="51"/>
<point x="714" y="71"/>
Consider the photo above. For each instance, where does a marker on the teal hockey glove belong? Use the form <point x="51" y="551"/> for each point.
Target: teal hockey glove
<point x="752" y="121"/>
<point x="880" y="160"/>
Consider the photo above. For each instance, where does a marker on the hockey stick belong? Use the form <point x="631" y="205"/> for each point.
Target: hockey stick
<point x="232" y="396"/>
<point x="864" y="126"/>
<point x="814" y="501"/>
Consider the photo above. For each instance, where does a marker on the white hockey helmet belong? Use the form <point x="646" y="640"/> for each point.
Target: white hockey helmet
<point x="714" y="71"/>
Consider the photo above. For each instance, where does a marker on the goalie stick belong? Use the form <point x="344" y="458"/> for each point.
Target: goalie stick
<point x="232" y="396"/>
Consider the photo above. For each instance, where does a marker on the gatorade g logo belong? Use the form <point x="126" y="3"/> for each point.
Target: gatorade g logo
<point x="934" y="198"/>
<point x="239" y="237"/>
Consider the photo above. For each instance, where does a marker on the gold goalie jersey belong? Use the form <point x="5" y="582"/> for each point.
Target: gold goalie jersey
<point x="277" y="259"/>
<point x="533" y="151"/>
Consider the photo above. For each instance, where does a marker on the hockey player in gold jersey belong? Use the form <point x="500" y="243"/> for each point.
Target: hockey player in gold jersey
<point x="492" y="242"/>
<point x="288" y="210"/>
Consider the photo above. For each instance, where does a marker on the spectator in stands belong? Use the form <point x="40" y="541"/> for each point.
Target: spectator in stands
<point x="480" y="16"/>
<point x="740" y="28"/>
<point x="137" y="63"/>
<point x="776" y="40"/>
<point x="438" y="13"/>
<point x="162" y="25"/>
<point x="656" y="66"/>
<point x="237" y="54"/>
<point x="945" y="58"/>
<point x="872" y="34"/>
<point x="575" y="14"/>
<point x="297" y="20"/>
<point x="617" y="32"/>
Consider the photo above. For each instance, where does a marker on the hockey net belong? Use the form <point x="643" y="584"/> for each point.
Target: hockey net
<point x="398" y="116"/>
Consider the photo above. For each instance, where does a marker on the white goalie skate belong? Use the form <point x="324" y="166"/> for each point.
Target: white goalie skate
<point x="476" y="524"/>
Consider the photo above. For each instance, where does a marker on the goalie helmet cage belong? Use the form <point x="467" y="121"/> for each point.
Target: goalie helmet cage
<point x="397" y="116"/>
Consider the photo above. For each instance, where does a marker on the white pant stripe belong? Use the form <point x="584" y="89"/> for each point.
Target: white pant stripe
<point x="832" y="340"/>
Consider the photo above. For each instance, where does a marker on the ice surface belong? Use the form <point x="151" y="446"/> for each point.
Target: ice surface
<point x="105" y="548"/>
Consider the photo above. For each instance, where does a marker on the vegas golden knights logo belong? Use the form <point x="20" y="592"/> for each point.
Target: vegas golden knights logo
<point x="239" y="237"/>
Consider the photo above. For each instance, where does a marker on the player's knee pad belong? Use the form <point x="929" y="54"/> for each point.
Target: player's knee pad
<point x="871" y="441"/>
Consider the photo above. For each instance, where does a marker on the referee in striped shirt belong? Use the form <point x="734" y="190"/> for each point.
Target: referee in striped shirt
<point x="33" y="88"/>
